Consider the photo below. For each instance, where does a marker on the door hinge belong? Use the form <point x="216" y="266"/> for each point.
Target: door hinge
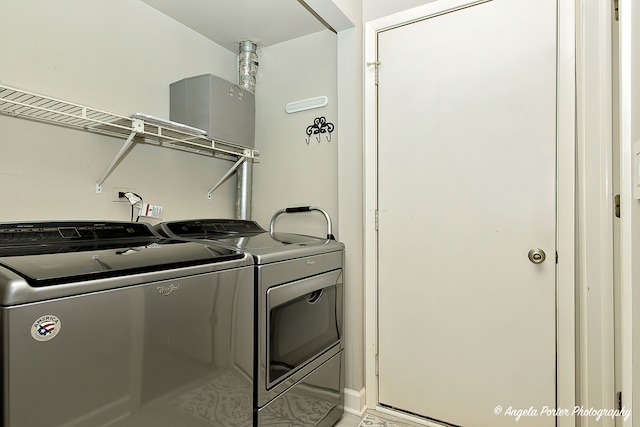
<point x="619" y="400"/>
<point x="615" y="10"/>
<point x="556" y="257"/>
<point x="376" y="220"/>
<point x="616" y="200"/>
<point x="377" y="366"/>
<point x="375" y="64"/>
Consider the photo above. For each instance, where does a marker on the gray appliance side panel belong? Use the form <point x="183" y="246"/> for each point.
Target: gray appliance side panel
<point x="4" y="376"/>
<point x="315" y="401"/>
<point x="153" y="354"/>
<point x="294" y="269"/>
<point x="270" y="255"/>
<point x="215" y="105"/>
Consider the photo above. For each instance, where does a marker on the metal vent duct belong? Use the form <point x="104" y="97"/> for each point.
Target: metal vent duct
<point x="244" y="190"/>
<point x="247" y="70"/>
<point x="248" y="65"/>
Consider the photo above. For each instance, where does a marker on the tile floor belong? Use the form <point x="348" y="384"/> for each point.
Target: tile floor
<point x="373" y="419"/>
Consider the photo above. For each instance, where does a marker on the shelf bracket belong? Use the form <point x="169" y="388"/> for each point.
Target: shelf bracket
<point x="138" y="127"/>
<point x="225" y="176"/>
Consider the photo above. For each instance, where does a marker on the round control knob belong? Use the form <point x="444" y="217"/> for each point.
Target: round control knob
<point x="537" y="256"/>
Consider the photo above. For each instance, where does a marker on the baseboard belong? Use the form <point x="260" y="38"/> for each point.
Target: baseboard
<point x="403" y="416"/>
<point x="355" y="402"/>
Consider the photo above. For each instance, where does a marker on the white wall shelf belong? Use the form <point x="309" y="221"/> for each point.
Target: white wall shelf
<point x="135" y="128"/>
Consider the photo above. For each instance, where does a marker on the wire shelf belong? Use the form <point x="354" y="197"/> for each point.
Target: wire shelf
<point x="27" y="105"/>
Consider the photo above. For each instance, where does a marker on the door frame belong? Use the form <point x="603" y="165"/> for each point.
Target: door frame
<point x="566" y="195"/>
<point x="596" y="355"/>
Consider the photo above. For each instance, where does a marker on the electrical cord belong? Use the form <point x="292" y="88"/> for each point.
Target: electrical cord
<point x="137" y="217"/>
<point x="134" y="199"/>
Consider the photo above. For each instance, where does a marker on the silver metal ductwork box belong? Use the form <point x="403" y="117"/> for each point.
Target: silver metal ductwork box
<point x="221" y="108"/>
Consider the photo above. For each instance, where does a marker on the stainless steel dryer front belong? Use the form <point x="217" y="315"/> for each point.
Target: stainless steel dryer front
<point x="109" y="324"/>
<point x="298" y="351"/>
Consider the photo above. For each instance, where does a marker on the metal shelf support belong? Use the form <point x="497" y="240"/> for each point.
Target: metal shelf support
<point x="138" y="127"/>
<point x="235" y="166"/>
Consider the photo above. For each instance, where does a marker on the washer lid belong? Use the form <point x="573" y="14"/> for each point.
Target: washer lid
<point x="46" y="254"/>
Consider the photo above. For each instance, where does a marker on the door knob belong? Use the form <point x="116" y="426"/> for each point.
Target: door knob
<point x="537" y="256"/>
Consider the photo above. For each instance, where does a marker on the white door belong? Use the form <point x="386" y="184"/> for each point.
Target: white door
<point x="466" y="182"/>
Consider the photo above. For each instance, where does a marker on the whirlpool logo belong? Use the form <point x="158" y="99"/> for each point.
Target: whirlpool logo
<point x="167" y="290"/>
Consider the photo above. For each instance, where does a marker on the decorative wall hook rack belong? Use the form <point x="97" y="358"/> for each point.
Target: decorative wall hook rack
<point x="320" y="125"/>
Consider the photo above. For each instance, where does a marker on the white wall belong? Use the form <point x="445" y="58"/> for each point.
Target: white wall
<point x="351" y="188"/>
<point x="352" y="9"/>
<point x="290" y="171"/>
<point x="117" y="56"/>
<point x="374" y="9"/>
<point x="351" y="197"/>
<point x="351" y="203"/>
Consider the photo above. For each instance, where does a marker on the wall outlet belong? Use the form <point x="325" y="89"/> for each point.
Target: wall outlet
<point x="151" y="211"/>
<point x="116" y="190"/>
